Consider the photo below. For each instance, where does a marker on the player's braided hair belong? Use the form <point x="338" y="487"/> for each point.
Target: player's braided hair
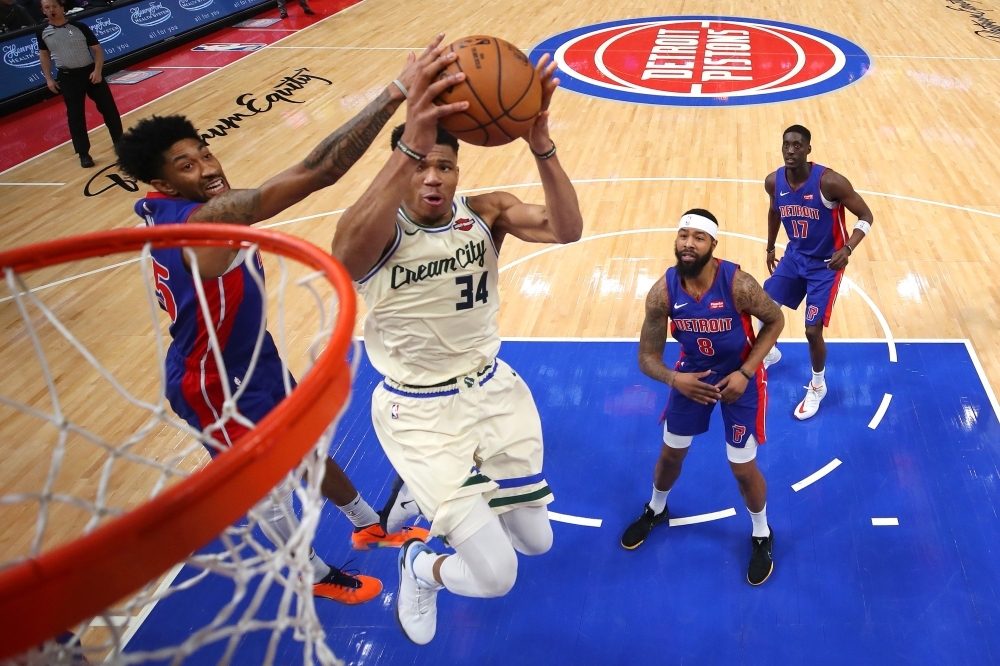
<point x="141" y="149"/>
<point x="444" y="137"/>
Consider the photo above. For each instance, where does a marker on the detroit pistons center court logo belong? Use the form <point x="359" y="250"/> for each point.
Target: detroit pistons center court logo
<point x="703" y="61"/>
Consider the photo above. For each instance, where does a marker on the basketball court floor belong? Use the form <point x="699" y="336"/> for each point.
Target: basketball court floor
<point x="885" y="506"/>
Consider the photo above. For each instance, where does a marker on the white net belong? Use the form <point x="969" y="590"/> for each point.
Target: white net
<point x="88" y="434"/>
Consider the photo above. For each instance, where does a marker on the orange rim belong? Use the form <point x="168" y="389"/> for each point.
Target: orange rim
<point x="43" y="596"/>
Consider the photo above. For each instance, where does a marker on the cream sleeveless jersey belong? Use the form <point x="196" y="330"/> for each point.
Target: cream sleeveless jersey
<point x="433" y="300"/>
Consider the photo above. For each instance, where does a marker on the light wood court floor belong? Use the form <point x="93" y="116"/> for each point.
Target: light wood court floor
<point x="918" y="134"/>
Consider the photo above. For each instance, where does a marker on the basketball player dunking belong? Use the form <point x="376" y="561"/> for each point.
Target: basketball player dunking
<point x="809" y="201"/>
<point x="458" y="424"/>
<point x="709" y="303"/>
<point x="190" y="186"/>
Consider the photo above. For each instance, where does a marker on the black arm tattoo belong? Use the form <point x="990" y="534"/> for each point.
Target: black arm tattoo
<point x="653" y="338"/>
<point x="339" y="151"/>
<point x="234" y="207"/>
<point x="750" y="298"/>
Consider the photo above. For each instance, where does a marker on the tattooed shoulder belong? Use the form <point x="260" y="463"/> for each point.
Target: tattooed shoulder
<point x="234" y="207"/>
<point x="750" y="298"/>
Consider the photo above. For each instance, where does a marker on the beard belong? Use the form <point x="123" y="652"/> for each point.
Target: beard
<point x="692" y="270"/>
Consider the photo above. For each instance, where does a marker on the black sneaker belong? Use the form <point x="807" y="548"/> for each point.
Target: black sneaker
<point x="283" y="14"/>
<point x="761" y="564"/>
<point x="86" y="161"/>
<point x="308" y="12"/>
<point x="640" y="529"/>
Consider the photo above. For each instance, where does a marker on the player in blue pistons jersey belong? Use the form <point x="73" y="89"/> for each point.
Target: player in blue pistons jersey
<point x="709" y="303"/>
<point x="190" y="185"/>
<point x="809" y="201"/>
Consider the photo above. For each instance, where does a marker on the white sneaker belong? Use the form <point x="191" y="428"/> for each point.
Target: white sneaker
<point x="399" y="508"/>
<point x="810" y="404"/>
<point x="416" y="601"/>
<point x="772" y="357"/>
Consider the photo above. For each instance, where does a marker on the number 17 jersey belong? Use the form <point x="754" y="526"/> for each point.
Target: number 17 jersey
<point x="433" y="300"/>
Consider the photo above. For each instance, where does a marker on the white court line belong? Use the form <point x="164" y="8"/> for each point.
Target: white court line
<point x="886" y="399"/>
<point x="982" y="377"/>
<point x="575" y="520"/>
<point x="137" y="621"/>
<point x="958" y="341"/>
<point x="924" y="57"/>
<point x="853" y="286"/>
<point x="73" y="277"/>
<point x="703" y="518"/>
<point x="34" y="184"/>
<point x="817" y="475"/>
<point x="189" y="67"/>
<point x="885" y="522"/>
<point x="116" y="620"/>
<point x="157" y="99"/>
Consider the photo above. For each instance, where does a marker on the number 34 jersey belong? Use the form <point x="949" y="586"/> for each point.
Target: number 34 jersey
<point x="713" y="334"/>
<point x="433" y="300"/>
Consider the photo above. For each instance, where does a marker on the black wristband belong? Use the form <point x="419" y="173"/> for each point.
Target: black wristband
<point x="770" y="250"/>
<point x="746" y="374"/>
<point x="409" y="152"/>
<point x="544" y="156"/>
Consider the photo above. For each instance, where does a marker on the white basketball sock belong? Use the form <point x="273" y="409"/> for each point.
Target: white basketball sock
<point x="320" y="568"/>
<point x="359" y="512"/>
<point x="760" y="528"/>
<point x="819" y="378"/>
<point x="658" y="501"/>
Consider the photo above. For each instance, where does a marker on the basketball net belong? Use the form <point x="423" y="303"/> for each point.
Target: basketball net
<point x="133" y="469"/>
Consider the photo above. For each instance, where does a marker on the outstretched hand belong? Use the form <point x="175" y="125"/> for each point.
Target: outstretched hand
<point x="538" y="135"/>
<point x="422" y="113"/>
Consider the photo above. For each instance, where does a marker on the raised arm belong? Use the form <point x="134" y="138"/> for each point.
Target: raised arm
<point x="367" y="227"/>
<point x="773" y="223"/>
<point x="837" y="188"/>
<point x="559" y="220"/>
<point x="323" y="167"/>
<point x="752" y="300"/>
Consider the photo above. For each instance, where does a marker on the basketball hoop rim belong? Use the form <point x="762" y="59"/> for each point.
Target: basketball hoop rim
<point x="46" y="595"/>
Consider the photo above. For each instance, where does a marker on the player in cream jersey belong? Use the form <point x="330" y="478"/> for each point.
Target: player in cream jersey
<point x="433" y="300"/>
<point x="457" y="423"/>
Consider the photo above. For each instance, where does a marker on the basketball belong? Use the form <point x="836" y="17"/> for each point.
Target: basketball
<point x="501" y="87"/>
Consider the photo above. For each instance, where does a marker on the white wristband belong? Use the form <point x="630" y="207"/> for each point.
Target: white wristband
<point x="864" y="227"/>
<point x="402" y="88"/>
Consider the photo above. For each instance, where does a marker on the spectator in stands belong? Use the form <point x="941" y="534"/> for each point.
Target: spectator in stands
<point x="302" y="3"/>
<point x="34" y="9"/>
<point x="13" y="17"/>
<point x="80" y="59"/>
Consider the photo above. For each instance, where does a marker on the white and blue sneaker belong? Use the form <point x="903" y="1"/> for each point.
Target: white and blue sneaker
<point x="772" y="357"/>
<point x="416" y="600"/>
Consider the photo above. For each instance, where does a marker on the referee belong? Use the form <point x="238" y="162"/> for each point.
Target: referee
<point x="79" y="58"/>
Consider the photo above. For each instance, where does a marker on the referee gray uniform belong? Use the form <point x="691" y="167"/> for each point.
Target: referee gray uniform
<point x="69" y="45"/>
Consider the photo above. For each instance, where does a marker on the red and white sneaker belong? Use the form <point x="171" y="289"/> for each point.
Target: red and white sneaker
<point x="810" y="404"/>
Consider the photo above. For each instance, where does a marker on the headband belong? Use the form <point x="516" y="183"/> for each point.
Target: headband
<point x="691" y="221"/>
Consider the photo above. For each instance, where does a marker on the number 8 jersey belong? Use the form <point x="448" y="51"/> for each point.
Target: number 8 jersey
<point x="433" y="300"/>
<point x="713" y="334"/>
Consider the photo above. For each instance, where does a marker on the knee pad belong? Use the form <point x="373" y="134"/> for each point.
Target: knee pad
<point x="744" y="455"/>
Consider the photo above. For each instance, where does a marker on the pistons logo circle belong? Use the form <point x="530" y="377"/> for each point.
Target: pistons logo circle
<point x="703" y="61"/>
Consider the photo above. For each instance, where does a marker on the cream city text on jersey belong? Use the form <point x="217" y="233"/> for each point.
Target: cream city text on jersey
<point x="471" y="253"/>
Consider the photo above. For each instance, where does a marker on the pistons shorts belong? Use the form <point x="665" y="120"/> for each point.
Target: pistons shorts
<point x="745" y="417"/>
<point x="799" y="276"/>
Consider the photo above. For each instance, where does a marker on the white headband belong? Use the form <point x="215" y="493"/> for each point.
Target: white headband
<point x="691" y="221"/>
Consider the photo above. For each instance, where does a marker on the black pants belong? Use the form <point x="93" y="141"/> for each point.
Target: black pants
<point x="75" y="86"/>
<point x="302" y="3"/>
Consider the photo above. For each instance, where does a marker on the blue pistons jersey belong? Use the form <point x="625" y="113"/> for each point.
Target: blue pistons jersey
<point x="815" y="226"/>
<point x="713" y="334"/>
<point x="194" y="380"/>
